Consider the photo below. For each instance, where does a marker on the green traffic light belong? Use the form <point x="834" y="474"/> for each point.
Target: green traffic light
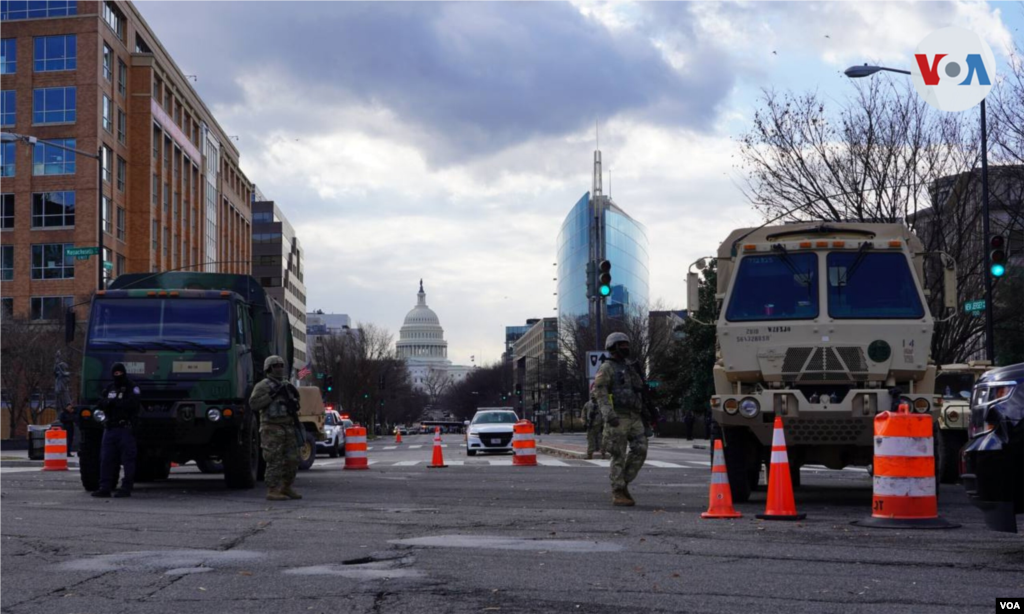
<point x="998" y="270"/>
<point x="605" y="290"/>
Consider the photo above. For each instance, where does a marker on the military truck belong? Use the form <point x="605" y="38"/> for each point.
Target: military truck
<point x="954" y="383"/>
<point x="194" y="343"/>
<point x="826" y="325"/>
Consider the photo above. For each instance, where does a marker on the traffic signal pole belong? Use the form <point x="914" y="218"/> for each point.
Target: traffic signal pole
<point x="990" y="352"/>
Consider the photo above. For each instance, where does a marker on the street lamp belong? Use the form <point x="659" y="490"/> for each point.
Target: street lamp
<point x="10" y="137"/>
<point x="856" y="72"/>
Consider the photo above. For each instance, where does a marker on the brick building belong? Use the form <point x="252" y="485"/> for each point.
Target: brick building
<point x="93" y="76"/>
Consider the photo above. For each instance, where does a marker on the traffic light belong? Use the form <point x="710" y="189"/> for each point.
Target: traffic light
<point x="604" y="278"/>
<point x="997" y="255"/>
<point x="591" y="280"/>
<point x="519" y="391"/>
<point x="329" y="383"/>
<point x="381" y="382"/>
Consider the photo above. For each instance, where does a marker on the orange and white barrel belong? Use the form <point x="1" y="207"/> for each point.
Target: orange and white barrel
<point x="524" y="448"/>
<point x="904" y="474"/>
<point x="56" y="450"/>
<point x="355" y="448"/>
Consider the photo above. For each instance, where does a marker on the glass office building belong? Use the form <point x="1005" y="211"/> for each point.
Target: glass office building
<point x="625" y="246"/>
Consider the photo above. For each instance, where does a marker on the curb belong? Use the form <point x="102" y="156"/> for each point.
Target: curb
<point x="562" y="452"/>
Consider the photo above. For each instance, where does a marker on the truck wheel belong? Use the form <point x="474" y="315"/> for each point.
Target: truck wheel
<point x="333" y="453"/>
<point x="307" y="453"/>
<point x="948" y="443"/>
<point x="153" y="469"/>
<point x="207" y="465"/>
<point x="89" y="458"/>
<point x="242" y="454"/>
<point x="741" y="459"/>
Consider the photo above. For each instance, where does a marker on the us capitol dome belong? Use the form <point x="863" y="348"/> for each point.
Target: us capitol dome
<point x="421" y="343"/>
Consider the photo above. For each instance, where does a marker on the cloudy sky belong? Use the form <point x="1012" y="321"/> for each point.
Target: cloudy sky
<point x="448" y="140"/>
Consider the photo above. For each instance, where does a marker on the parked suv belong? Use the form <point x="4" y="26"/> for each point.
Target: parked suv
<point x="993" y="459"/>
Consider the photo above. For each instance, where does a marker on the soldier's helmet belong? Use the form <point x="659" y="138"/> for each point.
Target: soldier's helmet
<point x="271" y="362"/>
<point x="614" y="338"/>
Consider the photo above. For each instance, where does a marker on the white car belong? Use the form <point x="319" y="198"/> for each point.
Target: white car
<point x="334" y="426"/>
<point x="490" y="431"/>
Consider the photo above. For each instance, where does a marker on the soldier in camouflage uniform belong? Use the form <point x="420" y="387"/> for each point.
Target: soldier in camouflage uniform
<point x="277" y="402"/>
<point x="617" y="388"/>
<point x="595" y="426"/>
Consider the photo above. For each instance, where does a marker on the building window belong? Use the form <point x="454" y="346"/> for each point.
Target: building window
<point x="120" y="223"/>
<point x="48" y="159"/>
<point x="122" y="77"/>
<point x="167" y="241"/>
<point x="108" y="62"/>
<point x="53" y="105"/>
<point x="53" y="209"/>
<point x="114" y="18"/>
<point x="107" y="217"/>
<point x="156" y="234"/>
<point x="7" y="212"/>
<point x="107" y="163"/>
<point x="56" y="53"/>
<point x="120" y="265"/>
<point x="48" y="261"/>
<point x="167" y="198"/>
<point x="6" y="307"/>
<point x="11" y="11"/>
<point x="50" y="307"/>
<point x="108" y="115"/>
<point x="156" y="142"/>
<point x="122" y="126"/>
<point x="8" y="106"/>
<point x="8" y="56"/>
<point x="7" y="151"/>
<point x="156" y="189"/>
<point x="7" y="263"/>
<point x="122" y="173"/>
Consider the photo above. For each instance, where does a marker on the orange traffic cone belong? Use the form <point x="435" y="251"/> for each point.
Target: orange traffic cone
<point x="438" y="460"/>
<point x="720" y="497"/>
<point x="398" y="436"/>
<point x="781" y="505"/>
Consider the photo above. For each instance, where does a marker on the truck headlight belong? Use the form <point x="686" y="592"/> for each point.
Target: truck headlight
<point x="921" y="406"/>
<point x="749" y="407"/>
<point x="213" y="414"/>
<point x="952" y="415"/>
<point x="99" y="415"/>
<point x="730" y="406"/>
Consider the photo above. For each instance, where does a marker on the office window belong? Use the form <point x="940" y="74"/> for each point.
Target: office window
<point x="50" y="307"/>
<point x="156" y="188"/>
<point x="8" y="106"/>
<point x="6" y="307"/>
<point x="6" y="211"/>
<point x="108" y="162"/>
<point x="108" y="114"/>
<point x="155" y="233"/>
<point x="54" y="53"/>
<point x="176" y="205"/>
<point x="48" y="159"/>
<point x="7" y="263"/>
<point x="167" y="242"/>
<point x="8" y="56"/>
<point x="167" y="198"/>
<point x="120" y="265"/>
<point x="114" y="18"/>
<point x="53" y="209"/>
<point x="122" y="77"/>
<point x="12" y="11"/>
<point x="48" y="261"/>
<point x="122" y="126"/>
<point x="108" y="62"/>
<point x="107" y="217"/>
<point x="7" y="153"/>
<point x="156" y="142"/>
<point x="53" y="105"/>
<point x="120" y="223"/>
<point x="122" y="173"/>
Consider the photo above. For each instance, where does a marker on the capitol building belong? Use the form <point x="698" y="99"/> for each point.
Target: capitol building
<point x="421" y="343"/>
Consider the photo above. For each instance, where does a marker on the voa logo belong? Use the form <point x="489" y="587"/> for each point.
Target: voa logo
<point x="954" y="69"/>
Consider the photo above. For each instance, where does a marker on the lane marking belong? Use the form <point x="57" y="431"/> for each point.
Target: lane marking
<point x="664" y="464"/>
<point x="500" y="462"/>
<point x="550" y="462"/>
<point x="599" y="463"/>
<point x="390" y="447"/>
<point x="407" y="463"/>
<point x="417" y="446"/>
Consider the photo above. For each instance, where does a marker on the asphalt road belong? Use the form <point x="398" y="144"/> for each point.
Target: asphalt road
<point x="483" y="536"/>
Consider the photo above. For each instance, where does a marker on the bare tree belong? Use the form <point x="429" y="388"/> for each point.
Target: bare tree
<point x="26" y="367"/>
<point x="436" y="383"/>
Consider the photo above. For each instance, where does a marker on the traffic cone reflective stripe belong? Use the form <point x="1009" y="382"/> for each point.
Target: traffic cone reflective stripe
<point x="355" y="448"/>
<point x="720" y="497"/>
<point x="55" y="450"/>
<point x="438" y="460"/>
<point x="781" y="504"/>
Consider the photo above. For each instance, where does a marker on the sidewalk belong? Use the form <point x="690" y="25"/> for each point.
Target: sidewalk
<point x="574" y="450"/>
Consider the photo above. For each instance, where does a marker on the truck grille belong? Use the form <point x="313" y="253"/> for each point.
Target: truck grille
<point x="824" y="364"/>
<point x="826" y="430"/>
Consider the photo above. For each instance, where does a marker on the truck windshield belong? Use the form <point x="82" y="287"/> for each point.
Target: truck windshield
<point x="775" y="287"/>
<point x="139" y="322"/>
<point x="872" y="285"/>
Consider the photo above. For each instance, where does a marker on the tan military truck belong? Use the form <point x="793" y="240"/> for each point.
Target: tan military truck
<point x="312" y="417"/>
<point x="954" y="383"/>
<point x="826" y="325"/>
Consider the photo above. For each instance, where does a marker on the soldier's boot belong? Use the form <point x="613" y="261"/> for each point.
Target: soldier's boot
<point x="289" y="492"/>
<point x="621" y="498"/>
<point x="276" y="494"/>
<point x="625" y="489"/>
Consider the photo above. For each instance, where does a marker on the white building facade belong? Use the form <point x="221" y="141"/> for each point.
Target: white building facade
<point x="421" y="343"/>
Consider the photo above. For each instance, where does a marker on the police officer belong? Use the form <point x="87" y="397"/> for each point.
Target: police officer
<point x="277" y="402"/>
<point x="595" y="426"/>
<point x="120" y="402"/>
<point x="618" y="388"/>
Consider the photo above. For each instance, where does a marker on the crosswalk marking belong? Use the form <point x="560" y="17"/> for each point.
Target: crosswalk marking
<point x="599" y="463"/>
<point x="663" y="464"/>
<point x="417" y="446"/>
<point x="500" y="462"/>
<point x="407" y="463"/>
<point x="390" y="447"/>
<point x="551" y="462"/>
<point x="698" y="463"/>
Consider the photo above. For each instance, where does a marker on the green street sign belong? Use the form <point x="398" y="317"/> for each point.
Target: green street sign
<point x="978" y="305"/>
<point x="82" y="253"/>
<point x="653" y="384"/>
<point x="108" y="265"/>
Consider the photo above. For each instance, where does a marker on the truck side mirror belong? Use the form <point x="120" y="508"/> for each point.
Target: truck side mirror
<point x="965" y="394"/>
<point x="692" y="293"/>
<point x="69" y="326"/>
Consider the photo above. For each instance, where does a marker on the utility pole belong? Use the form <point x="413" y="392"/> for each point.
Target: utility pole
<point x="990" y="351"/>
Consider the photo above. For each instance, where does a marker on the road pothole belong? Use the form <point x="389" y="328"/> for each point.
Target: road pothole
<point x="380" y="566"/>
<point x="173" y="562"/>
<point x="491" y="542"/>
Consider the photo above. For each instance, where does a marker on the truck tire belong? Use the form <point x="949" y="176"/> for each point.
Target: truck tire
<point x="307" y="453"/>
<point x="948" y="443"/>
<point x="89" y="458"/>
<point x="741" y="460"/>
<point x="207" y="465"/>
<point x="333" y="452"/>
<point x="242" y="454"/>
<point x="153" y="469"/>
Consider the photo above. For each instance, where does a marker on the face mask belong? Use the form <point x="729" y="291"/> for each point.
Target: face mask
<point x="624" y="353"/>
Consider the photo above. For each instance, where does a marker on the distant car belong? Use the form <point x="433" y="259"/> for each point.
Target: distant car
<point x="335" y="427"/>
<point x="490" y="431"/>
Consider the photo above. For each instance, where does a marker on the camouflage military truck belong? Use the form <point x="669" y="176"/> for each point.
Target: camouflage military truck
<point x="194" y="343"/>
<point x="826" y="325"/>
<point x="955" y="383"/>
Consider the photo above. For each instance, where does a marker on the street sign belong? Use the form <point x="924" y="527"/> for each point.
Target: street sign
<point x="594" y="360"/>
<point x="653" y="383"/>
<point x="81" y="253"/>
<point x="108" y="265"/>
<point x="978" y="305"/>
